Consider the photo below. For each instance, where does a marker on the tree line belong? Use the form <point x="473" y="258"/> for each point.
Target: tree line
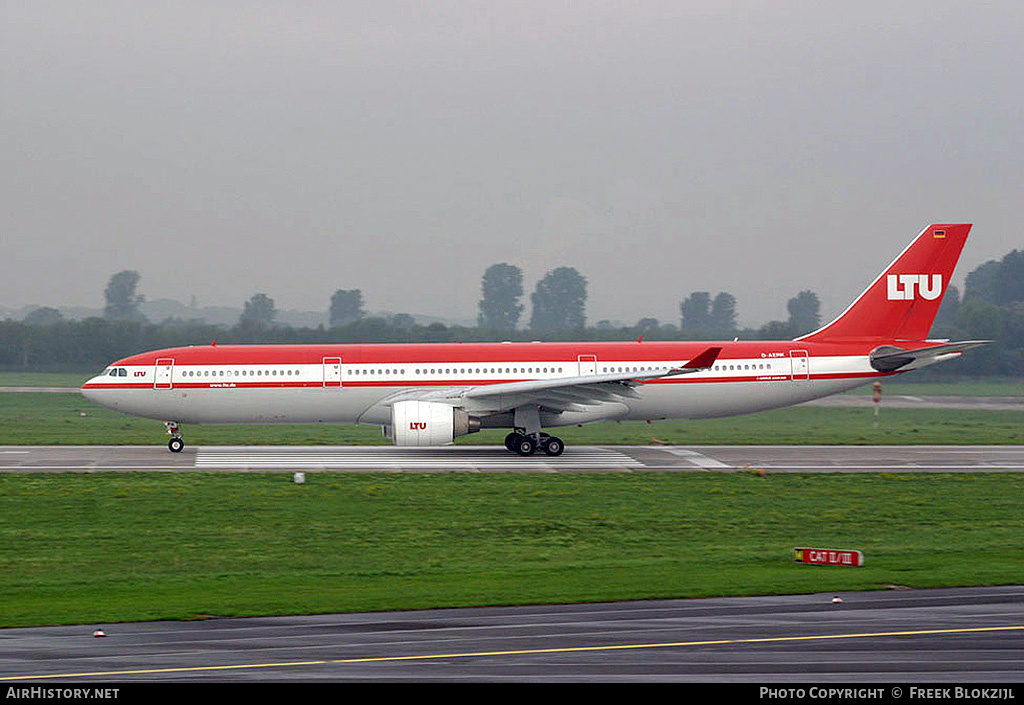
<point x="991" y="308"/>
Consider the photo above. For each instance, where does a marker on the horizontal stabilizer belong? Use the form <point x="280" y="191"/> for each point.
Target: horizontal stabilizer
<point x="889" y="358"/>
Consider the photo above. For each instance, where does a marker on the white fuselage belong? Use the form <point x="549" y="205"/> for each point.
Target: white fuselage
<point x="328" y="392"/>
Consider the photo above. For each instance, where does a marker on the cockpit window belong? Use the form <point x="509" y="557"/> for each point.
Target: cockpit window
<point x="122" y="372"/>
<point x="113" y="372"/>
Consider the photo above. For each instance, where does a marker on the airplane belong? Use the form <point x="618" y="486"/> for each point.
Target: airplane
<point x="430" y="394"/>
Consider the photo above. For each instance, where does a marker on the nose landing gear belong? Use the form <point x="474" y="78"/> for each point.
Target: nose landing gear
<point x="176" y="444"/>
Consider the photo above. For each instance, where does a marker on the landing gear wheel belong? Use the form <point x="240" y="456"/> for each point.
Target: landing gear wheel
<point x="553" y="445"/>
<point x="175" y="444"/>
<point x="525" y="446"/>
<point x="511" y="440"/>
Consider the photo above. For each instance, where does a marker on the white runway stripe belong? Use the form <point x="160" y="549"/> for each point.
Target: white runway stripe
<point x="389" y="457"/>
<point x="698" y="459"/>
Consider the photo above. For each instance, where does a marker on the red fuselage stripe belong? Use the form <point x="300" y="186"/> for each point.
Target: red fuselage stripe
<point x="469" y="383"/>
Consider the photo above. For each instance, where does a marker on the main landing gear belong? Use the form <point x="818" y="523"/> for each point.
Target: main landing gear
<point x="527" y="444"/>
<point x="176" y="444"/>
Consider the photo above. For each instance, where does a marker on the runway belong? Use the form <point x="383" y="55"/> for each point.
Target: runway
<point x="918" y="637"/>
<point x="483" y="459"/>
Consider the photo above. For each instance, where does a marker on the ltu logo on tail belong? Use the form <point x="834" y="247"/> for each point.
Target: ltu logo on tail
<point x="902" y="286"/>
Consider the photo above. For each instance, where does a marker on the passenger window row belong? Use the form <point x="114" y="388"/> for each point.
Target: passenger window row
<point x="278" y="372"/>
<point x="240" y="373"/>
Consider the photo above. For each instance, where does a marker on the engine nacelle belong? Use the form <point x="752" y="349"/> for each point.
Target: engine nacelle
<point x="427" y="423"/>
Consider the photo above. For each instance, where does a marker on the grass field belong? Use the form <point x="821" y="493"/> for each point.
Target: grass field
<point x="98" y="548"/>
<point x="69" y="419"/>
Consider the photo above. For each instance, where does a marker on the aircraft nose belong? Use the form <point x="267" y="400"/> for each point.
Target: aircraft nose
<point x="88" y="392"/>
<point x="94" y="393"/>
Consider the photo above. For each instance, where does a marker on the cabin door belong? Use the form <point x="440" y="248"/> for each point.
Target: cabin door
<point x="332" y="371"/>
<point x="163" y="378"/>
<point x="801" y="369"/>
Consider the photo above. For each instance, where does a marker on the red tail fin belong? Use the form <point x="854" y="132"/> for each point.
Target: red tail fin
<point x="902" y="302"/>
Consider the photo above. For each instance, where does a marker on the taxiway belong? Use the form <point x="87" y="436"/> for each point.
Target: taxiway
<point x="965" y="635"/>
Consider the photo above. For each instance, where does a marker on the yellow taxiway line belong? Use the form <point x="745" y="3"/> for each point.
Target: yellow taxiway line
<point x="516" y="652"/>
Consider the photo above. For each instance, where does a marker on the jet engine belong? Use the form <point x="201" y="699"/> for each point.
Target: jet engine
<point x="427" y="423"/>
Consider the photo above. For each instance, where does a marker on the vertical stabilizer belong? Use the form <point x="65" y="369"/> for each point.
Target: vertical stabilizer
<point x="902" y="302"/>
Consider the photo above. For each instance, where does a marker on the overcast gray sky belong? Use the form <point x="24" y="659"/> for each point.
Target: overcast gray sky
<point x="298" y="147"/>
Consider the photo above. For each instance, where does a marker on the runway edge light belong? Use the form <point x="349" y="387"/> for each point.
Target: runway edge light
<point x="829" y="556"/>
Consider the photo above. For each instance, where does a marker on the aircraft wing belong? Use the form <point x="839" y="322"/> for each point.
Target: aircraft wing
<point x="889" y="358"/>
<point x="561" y="394"/>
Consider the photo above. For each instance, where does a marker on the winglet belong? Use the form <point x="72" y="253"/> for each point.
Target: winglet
<point x="703" y="361"/>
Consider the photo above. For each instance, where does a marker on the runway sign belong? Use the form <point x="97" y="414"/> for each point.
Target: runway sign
<point x="828" y="556"/>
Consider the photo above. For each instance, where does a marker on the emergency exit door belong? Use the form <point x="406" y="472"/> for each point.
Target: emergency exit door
<point x="588" y="364"/>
